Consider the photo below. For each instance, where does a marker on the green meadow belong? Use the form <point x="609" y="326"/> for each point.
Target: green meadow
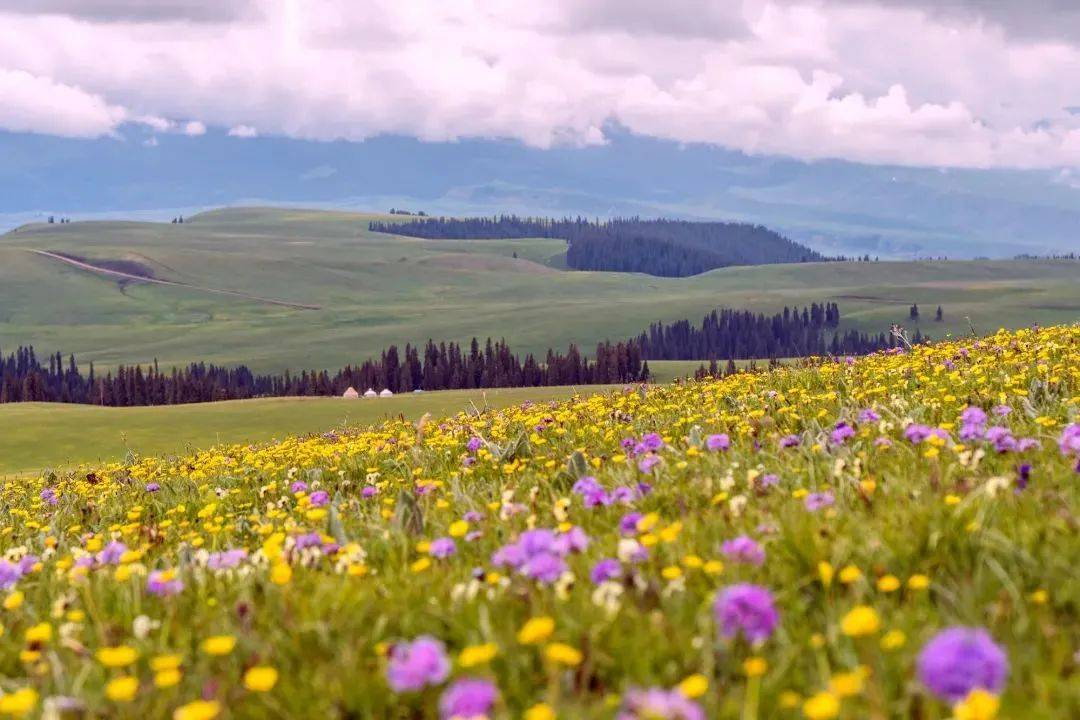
<point x="374" y="290"/>
<point x="35" y="436"/>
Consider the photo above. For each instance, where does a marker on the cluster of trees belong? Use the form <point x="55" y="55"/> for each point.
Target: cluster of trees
<point x="670" y="248"/>
<point x="913" y="313"/>
<point x="63" y="221"/>
<point x="26" y="378"/>
<point x="722" y="335"/>
<point x="400" y="211"/>
<point x="741" y="334"/>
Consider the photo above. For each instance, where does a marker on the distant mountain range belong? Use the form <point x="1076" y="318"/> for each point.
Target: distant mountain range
<point x="834" y="207"/>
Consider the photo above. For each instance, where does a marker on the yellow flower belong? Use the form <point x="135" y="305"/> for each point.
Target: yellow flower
<point x="18" y="703"/>
<point x="540" y="711"/>
<point x="860" y="620"/>
<point x="888" y="583"/>
<point x="40" y="634"/>
<point x="260" y="678"/>
<point x="1039" y="597"/>
<point x="280" y="573"/>
<point x="474" y="655"/>
<point x="198" y="710"/>
<point x="694" y="686"/>
<point x="825" y="573"/>
<point x="847" y="684"/>
<point x="14" y="600"/>
<point x="536" y="630"/>
<point x="713" y="567"/>
<point x="850" y="574"/>
<point x="755" y="666"/>
<point x="562" y="654"/>
<point x="219" y="644"/>
<point x="671" y="572"/>
<point x="420" y="565"/>
<point x="822" y="706"/>
<point x="918" y="582"/>
<point x="789" y="699"/>
<point x="165" y="662"/>
<point x="167" y="678"/>
<point x="978" y="705"/>
<point x="117" y="657"/>
<point x="893" y="640"/>
<point x="459" y="528"/>
<point x="122" y="689"/>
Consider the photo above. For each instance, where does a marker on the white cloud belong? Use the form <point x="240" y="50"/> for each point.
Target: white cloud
<point x="891" y="81"/>
<point x="194" y="127"/>
<point x="30" y="103"/>
<point x="243" y="131"/>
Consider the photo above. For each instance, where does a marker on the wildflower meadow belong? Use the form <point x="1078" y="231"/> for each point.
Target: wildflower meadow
<point x="890" y="536"/>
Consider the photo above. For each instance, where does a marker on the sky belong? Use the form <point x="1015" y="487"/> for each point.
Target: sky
<point x="976" y="84"/>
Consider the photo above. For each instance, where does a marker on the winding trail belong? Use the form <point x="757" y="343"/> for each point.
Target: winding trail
<point x="157" y="281"/>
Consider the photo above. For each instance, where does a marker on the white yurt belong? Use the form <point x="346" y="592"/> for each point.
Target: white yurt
<point x="386" y="393"/>
<point x="350" y="394"/>
<point x="370" y="393"/>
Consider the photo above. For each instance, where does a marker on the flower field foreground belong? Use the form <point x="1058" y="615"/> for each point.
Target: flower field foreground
<point x="885" y="537"/>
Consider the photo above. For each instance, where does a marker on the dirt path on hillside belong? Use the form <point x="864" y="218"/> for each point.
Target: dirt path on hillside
<point x="157" y="281"/>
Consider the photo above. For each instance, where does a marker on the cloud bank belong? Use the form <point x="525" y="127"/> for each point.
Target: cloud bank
<point x="980" y="84"/>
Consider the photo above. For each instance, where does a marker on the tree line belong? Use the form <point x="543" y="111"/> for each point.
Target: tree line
<point x="722" y="335"/>
<point x="740" y="334"/>
<point x="24" y="377"/>
<point x="669" y="248"/>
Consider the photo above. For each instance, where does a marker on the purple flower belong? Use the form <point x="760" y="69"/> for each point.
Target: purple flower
<point x="868" y="416"/>
<point x="573" y="540"/>
<point x="718" y="442"/>
<point x="49" y="495"/>
<point x="648" y="462"/>
<point x="789" y="441"/>
<point x="111" y="553"/>
<point x="152" y="487"/>
<point x="973" y="415"/>
<point x="652" y="441"/>
<point x="467" y="699"/>
<point x="623" y="495"/>
<point x="545" y="567"/>
<point x="916" y="433"/>
<point x="164" y="583"/>
<point x="628" y="523"/>
<point x="1002" y="410"/>
<point x="1069" y="442"/>
<point x="417" y="664"/>
<point x="746" y="609"/>
<point x="441" y="548"/>
<point x="841" y="432"/>
<point x="658" y="704"/>
<point x="369" y="491"/>
<point x="961" y="659"/>
<point x="767" y="481"/>
<point x="606" y="569"/>
<point x="818" y="500"/>
<point x="226" y="559"/>
<point x="298" y="486"/>
<point x="1023" y="476"/>
<point x="474" y="444"/>
<point x="592" y="492"/>
<point x="743" y="549"/>
<point x="9" y="574"/>
<point x="319" y="498"/>
<point x="1001" y="438"/>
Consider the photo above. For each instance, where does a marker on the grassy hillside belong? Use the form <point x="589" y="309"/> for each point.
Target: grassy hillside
<point x="39" y="435"/>
<point x="374" y="290"/>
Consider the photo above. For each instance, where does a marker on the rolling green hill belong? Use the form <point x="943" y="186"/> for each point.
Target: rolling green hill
<point x="372" y="290"/>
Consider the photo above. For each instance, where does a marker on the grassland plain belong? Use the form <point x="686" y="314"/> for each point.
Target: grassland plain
<point x="36" y="436"/>
<point x="890" y="537"/>
<point x="374" y="290"/>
